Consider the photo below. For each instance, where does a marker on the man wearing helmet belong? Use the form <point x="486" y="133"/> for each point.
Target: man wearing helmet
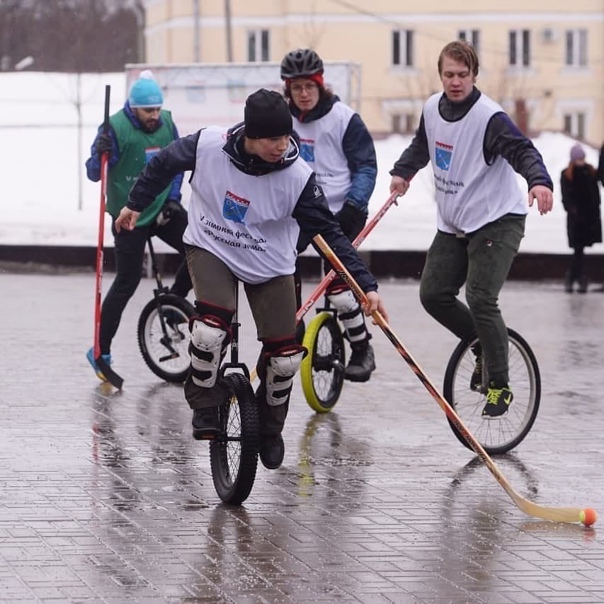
<point x="337" y="145"/>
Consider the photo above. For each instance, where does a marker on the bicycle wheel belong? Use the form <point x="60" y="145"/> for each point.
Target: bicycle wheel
<point x="234" y="452"/>
<point x="322" y="371"/>
<point x="165" y="346"/>
<point x="501" y="434"/>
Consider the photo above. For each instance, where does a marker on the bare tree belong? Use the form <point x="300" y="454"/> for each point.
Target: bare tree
<point x="70" y="35"/>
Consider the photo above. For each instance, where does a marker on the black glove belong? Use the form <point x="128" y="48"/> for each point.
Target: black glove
<point x="169" y="209"/>
<point x="104" y="144"/>
<point x="351" y="219"/>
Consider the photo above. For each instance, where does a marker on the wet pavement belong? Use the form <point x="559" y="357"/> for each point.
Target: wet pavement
<point x="105" y="496"/>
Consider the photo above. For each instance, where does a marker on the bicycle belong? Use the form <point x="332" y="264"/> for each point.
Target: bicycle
<point x="163" y="330"/>
<point x="496" y="435"/>
<point x="235" y="449"/>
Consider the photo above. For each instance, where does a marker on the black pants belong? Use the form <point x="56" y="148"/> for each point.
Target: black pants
<point x="129" y="255"/>
<point x="576" y="264"/>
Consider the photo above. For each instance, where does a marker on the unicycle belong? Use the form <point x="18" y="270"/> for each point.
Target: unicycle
<point x="322" y="370"/>
<point x="163" y="330"/>
<point x="501" y="434"/>
<point x="234" y="450"/>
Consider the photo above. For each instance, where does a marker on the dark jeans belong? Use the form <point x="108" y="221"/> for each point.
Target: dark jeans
<point x="129" y="254"/>
<point x="481" y="260"/>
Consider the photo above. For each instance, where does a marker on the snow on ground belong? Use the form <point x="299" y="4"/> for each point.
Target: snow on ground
<point x="47" y="199"/>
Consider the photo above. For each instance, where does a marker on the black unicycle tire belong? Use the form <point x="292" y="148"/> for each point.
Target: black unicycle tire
<point x="498" y="435"/>
<point x="234" y="452"/>
<point x="150" y="337"/>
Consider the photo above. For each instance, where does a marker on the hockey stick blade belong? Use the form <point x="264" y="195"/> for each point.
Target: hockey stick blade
<point x="113" y="378"/>
<point x="555" y="514"/>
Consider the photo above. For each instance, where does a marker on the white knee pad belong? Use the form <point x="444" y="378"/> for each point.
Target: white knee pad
<point x="281" y="368"/>
<point x="209" y="339"/>
<point x="351" y="315"/>
<point x="344" y="302"/>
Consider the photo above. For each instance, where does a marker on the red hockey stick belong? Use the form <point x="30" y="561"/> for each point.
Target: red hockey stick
<point x="555" y="514"/>
<point x="112" y="377"/>
<point x="331" y="275"/>
<point x="320" y="289"/>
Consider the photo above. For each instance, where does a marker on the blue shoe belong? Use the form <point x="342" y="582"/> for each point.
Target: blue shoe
<point x="92" y="361"/>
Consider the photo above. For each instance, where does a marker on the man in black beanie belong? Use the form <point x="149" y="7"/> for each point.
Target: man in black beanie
<point x="251" y="198"/>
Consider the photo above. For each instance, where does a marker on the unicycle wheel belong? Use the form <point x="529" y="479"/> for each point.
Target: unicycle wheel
<point x="501" y="434"/>
<point x="234" y="452"/>
<point x="322" y="371"/>
<point x="165" y="345"/>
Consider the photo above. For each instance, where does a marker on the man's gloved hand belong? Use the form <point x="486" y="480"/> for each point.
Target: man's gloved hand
<point x="169" y="209"/>
<point x="351" y="219"/>
<point x="104" y="144"/>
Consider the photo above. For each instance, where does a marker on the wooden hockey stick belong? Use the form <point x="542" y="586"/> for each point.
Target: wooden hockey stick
<point x="556" y="514"/>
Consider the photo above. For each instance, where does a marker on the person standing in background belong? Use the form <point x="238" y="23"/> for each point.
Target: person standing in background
<point x="581" y="200"/>
<point x="136" y="133"/>
<point x="336" y="144"/>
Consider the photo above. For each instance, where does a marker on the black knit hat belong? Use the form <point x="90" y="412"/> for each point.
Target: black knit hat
<point x="267" y="115"/>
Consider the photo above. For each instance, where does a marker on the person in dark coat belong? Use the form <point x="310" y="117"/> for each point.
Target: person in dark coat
<point x="581" y="200"/>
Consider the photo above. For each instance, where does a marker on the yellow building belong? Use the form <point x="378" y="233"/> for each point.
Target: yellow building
<point x="542" y="60"/>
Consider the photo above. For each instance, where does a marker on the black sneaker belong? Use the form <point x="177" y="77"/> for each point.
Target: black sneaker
<point x="205" y="423"/>
<point x="361" y="365"/>
<point x="272" y="451"/>
<point x="498" y="401"/>
<point x="476" y="377"/>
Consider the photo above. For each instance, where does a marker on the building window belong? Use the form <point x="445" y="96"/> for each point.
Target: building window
<point x="402" y="48"/>
<point x="520" y="48"/>
<point x="258" y="47"/>
<point x="575" y="48"/>
<point x="574" y="124"/>
<point x="472" y="36"/>
<point x="403" y="123"/>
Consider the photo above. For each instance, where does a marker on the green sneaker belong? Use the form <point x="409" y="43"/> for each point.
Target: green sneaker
<point x="476" y="377"/>
<point x="498" y="401"/>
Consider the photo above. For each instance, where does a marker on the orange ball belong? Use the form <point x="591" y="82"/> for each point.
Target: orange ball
<point x="588" y="516"/>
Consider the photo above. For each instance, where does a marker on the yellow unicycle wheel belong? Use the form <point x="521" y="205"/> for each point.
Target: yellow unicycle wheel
<point x="322" y="371"/>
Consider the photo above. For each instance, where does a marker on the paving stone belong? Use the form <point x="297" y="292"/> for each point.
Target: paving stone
<point x="105" y="497"/>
